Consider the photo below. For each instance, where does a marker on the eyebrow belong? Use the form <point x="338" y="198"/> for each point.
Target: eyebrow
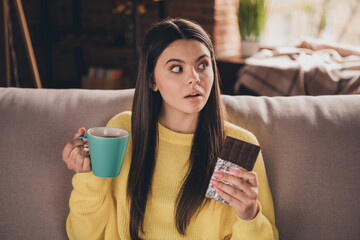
<point x="179" y="60"/>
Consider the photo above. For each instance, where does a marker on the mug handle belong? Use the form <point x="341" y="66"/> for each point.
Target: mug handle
<point x="83" y="137"/>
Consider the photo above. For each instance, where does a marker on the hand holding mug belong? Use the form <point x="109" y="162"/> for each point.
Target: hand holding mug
<point x="76" y="153"/>
<point x="107" y="147"/>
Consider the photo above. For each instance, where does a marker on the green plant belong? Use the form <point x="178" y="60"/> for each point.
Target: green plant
<point x="251" y="19"/>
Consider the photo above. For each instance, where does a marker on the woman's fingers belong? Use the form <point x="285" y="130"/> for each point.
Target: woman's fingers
<point x="80" y="163"/>
<point x="227" y="197"/>
<point x="73" y="144"/>
<point x="70" y="146"/>
<point x="80" y="132"/>
<point x="246" y="182"/>
<point x="85" y="161"/>
<point x="229" y="193"/>
<point x="79" y="160"/>
<point x="246" y="209"/>
<point x="249" y="176"/>
<point x="86" y="165"/>
<point x="75" y="153"/>
<point x="240" y="190"/>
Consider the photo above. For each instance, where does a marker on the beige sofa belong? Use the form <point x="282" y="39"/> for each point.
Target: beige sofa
<point x="311" y="148"/>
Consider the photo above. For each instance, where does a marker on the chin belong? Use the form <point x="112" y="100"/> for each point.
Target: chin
<point x="194" y="110"/>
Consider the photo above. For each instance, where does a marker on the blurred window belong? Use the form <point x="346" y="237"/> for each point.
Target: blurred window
<point x="332" y="20"/>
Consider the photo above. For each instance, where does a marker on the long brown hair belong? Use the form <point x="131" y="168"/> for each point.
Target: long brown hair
<point x="207" y="139"/>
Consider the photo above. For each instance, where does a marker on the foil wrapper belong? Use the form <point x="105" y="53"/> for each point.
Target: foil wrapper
<point x="223" y="166"/>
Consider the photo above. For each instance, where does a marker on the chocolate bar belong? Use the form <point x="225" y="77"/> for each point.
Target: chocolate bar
<point x="234" y="154"/>
<point x="240" y="152"/>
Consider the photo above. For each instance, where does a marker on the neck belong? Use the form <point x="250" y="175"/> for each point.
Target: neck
<point x="181" y="123"/>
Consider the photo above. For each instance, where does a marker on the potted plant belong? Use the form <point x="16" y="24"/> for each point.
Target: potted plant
<point x="251" y="20"/>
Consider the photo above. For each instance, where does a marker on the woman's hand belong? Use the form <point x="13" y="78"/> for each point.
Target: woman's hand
<point x="75" y="153"/>
<point x="244" y="199"/>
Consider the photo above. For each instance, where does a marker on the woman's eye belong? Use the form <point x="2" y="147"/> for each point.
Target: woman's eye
<point x="203" y="65"/>
<point x="176" y="69"/>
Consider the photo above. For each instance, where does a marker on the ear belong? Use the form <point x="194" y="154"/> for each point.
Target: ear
<point x="152" y="83"/>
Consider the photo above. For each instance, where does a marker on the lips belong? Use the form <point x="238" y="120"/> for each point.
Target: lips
<point x="194" y="94"/>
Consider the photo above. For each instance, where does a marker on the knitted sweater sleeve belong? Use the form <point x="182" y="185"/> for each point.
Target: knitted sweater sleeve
<point x="263" y="225"/>
<point x="92" y="206"/>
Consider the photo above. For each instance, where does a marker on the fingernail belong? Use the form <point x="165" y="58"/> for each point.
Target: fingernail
<point x="233" y="172"/>
<point x="218" y="175"/>
<point x="214" y="182"/>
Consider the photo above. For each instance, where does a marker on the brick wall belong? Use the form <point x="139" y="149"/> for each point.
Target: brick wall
<point x="217" y="17"/>
<point x="201" y="11"/>
<point x="226" y="31"/>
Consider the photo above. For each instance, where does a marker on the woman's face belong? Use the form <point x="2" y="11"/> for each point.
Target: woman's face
<point x="184" y="76"/>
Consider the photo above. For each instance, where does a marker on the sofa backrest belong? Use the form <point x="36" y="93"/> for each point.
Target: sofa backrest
<point x="35" y="126"/>
<point x="310" y="147"/>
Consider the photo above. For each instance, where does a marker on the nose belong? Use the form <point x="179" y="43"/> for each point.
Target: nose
<point x="193" y="78"/>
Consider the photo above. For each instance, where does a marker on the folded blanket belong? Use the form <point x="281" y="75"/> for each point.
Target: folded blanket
<point x="308" y="68"/>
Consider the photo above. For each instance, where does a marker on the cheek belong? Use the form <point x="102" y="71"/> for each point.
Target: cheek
<point x="208" y="79"/>
<point x="168" y="88"/>
<point x="167" y="82"/>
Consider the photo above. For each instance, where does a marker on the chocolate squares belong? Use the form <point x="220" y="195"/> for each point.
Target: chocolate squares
<point x="240" y="152"/>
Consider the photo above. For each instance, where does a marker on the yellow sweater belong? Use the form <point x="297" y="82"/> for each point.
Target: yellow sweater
<point x="99" y="209"/>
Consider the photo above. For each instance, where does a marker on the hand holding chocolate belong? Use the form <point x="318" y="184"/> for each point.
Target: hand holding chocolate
<point x="234" y="154"/>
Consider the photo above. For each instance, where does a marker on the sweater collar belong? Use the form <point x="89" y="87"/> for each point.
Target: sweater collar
<point x="174" y="137"/>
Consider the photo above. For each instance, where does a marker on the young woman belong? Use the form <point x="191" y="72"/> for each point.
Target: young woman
<point x="177" y="129"/>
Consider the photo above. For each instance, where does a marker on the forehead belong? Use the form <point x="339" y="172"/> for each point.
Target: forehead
<point x="184" y="50"/>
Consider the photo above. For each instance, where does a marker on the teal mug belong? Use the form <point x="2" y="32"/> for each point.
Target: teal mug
<point x="107" y="148"/>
